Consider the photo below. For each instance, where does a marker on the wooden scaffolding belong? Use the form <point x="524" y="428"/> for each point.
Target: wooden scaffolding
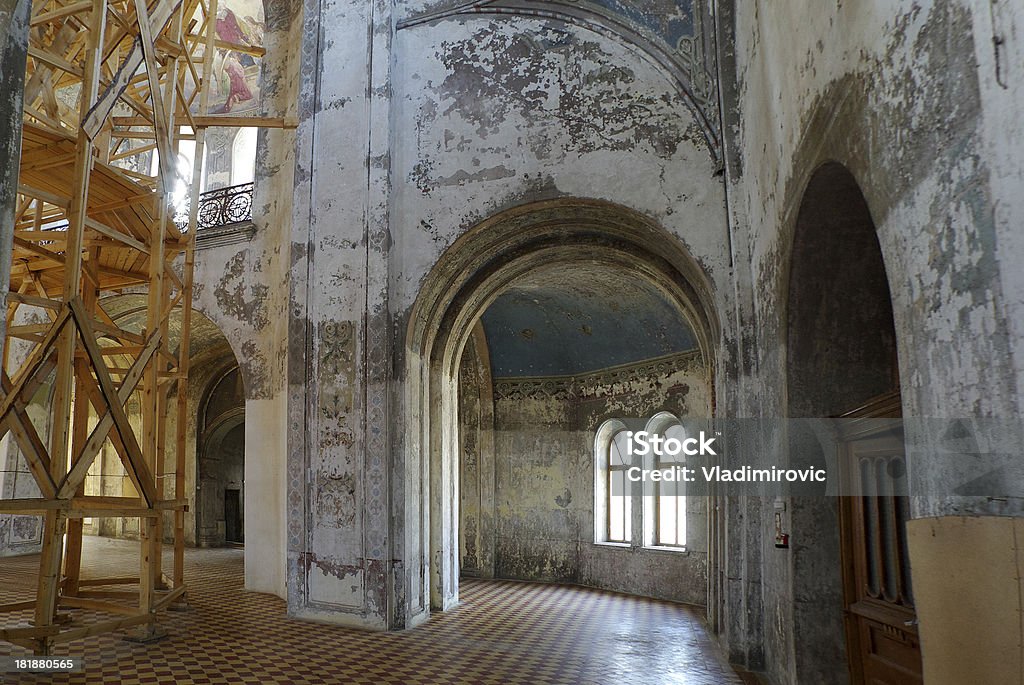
<point x="108" y="82"/>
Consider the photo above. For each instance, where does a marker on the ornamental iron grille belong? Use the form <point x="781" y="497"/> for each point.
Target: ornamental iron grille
<point x="221" y="207"/>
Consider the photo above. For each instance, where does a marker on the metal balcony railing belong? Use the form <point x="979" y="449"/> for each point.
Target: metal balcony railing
<point x="221" y="207"/>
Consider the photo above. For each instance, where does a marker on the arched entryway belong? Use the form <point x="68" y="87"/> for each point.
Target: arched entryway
<point x="518" y="248"/>
<point x="842" y="362"/>
<point x="220" y="457"/>
<point x="214" y="432"/>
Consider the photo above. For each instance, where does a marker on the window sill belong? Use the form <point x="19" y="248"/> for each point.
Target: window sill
<point x="671" y="550"/>
<point x="614" y="545"/>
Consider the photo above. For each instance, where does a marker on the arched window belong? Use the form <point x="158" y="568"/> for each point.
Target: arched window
<point x="243" y="156"/>
<point x="670" y="517"/>
<point x="665" y="500"/>
<point x="662" y="515"/>
<point x="613" y="498"/>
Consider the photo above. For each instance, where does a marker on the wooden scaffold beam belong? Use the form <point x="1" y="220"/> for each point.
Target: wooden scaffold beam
<point x="89" y="223"/>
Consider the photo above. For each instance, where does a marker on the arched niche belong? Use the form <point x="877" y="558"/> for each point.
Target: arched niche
<point x="840" y="355"/>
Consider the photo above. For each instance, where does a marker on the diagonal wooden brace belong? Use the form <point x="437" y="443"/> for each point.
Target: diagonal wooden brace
<point x="32" y="365"/>
<point x="17" y="421"/>
<point x="96" y="117"/>
<point x="136" y="465"/>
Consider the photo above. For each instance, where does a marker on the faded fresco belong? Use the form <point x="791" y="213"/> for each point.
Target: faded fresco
<point x="237" y="63"/>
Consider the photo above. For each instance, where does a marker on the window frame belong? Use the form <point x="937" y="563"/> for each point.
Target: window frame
<point x="660" y="424"/>
<point x="605" y="441"/>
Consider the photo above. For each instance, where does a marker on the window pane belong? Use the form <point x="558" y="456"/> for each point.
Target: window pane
<point x="627" y="518"/>
<point x="681" y="521"/>
<point x="667" y="518"/>
<point x="616" y="532"/>
<point x="615" y="457"/>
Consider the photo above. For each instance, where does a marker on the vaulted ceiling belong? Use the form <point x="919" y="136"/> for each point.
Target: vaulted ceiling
<point x="575" y="319"/>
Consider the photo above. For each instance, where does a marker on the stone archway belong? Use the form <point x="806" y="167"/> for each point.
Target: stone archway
<point x="464" y="282"/>
<point x="220" y="461"/>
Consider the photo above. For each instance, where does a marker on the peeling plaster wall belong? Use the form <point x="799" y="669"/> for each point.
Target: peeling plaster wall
<point x="407" y="138"/>
<point x="341" y="560"/>
<point x="476" y="468"/>
<point x="493" y="112"/>
<point x="544" y="479"/>
<point x="18" y="534"/>
<point x="243" y="288"/>
<point x="922" y="106"/>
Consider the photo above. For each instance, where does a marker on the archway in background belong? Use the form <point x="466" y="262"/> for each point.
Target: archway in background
<point x="470" y="275"/>
<point x="220" y="460"/>
<point x="212" y="360"/>
<point x="841" y="360"/>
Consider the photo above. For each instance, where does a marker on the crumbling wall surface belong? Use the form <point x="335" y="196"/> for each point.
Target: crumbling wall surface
<point x="409" y="135"/>
<point x="341" y="558"/>
<point x="492" y="112"/>
<point x="544" y="480"/>
<point x="921" y="102"/>
<point x="18" y="534"/>
<point x="243" y="288"/>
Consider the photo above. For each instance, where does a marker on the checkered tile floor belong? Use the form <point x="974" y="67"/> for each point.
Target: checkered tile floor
<point x="502" y="633"/>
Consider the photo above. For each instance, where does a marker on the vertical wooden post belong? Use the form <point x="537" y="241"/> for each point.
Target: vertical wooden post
<point x="49" y="576"/>
<point x="184" y="363"/>
<point x="54" y="525"/>
<point x="79" y="435"/>
<point x="163" y="102"/>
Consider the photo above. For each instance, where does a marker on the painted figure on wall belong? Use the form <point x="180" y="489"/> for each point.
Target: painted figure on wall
<point x="237" y="64"/>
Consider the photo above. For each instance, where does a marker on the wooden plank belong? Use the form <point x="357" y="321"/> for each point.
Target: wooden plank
<point x="12" y="634"/>
<point x="111" y="594"/>
<point x="38" y="328"/>
<point x="79" y="435"/>
<point x="117" y="333"/>
<point x="34" y="301"/>
<point x="169" y="598"/>
<point x="103" y="627"/>
<point x="18" y="422"/>
<point x="139" y="513"/>
<point x="56" y="61"/>
<point x="98" y="605"/>
<point x="32" y="447"/>
<point x="17" y="606"/>
<point x="30" y="505"/>
<point x="253" y="50"/>
<point x="60" y="12"/>
<point x="95" y="582"/>
<point x="58" y="200"/>
<point x="216" y="120"/>
<point x="49" y="570"/>
<point x="116" y="235"/>
<point x="157" y="19"/>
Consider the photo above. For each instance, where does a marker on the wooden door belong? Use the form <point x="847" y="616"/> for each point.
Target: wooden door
<point x="881" y="624"/>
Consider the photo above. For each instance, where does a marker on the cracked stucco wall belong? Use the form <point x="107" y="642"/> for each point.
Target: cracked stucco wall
<point x="922" y="106"/>
<point x="14" y="15"/>
<point x="243" y="289"/>
<point x="544" y="431"/>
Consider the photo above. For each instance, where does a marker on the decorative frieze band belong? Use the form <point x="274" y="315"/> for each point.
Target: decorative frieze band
<point x="587" y="384"/>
